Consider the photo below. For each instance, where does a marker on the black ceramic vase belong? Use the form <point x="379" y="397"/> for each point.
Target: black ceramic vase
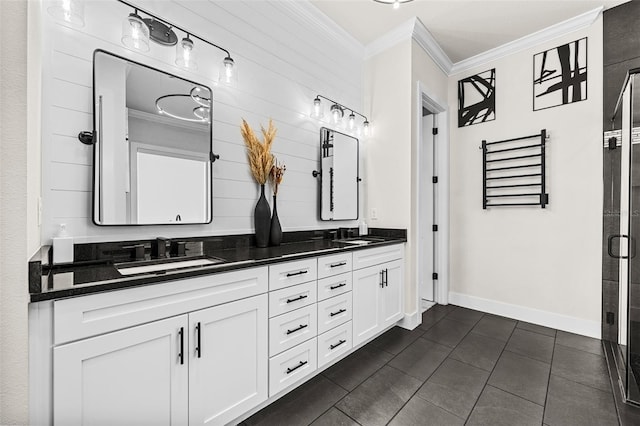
<point x="262" y="220"/>
<point x="275" y="237"/>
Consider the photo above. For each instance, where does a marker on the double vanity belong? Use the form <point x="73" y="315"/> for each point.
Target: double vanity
<point x="206" y="342"/>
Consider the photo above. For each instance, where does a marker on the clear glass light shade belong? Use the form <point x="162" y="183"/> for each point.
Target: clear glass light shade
<point x="352" y="121"/>
<point x="186" y="54"/>
<point x="68" y="11"/>
<point x="336" y="113"/>
<point x="365" y="128"/>
<point x="228" y="72"/>
<point x="135" y="33"/>
<point x="317" y="108"/>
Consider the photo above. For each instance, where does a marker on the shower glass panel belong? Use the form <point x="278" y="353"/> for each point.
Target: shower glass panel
<point x="623" y="245"/>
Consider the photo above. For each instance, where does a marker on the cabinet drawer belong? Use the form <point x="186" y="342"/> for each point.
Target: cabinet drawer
<point x="291" y="298"/>
<point x="334" y="311"/>
<point x="375" y="256"/>
<point x="292" y="365"/>
<point x="333" y="286"/>
<point x="84" y="316"/>
<point x="334" y="264"/>
<point x="291" y="273"/>
<point x="287" y="330"/>
<point x="334" y="343"/>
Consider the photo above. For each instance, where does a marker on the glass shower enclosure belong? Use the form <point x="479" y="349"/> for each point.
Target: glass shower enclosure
<point x="622" y="233"/>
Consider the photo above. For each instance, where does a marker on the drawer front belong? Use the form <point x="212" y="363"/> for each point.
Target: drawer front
<point x="375" y="256"/>
<point x="334" y="264"/>
<point x="333" y="312"/>
<point x="333" y="286"/>
<point x="292" y="365"/>
<point x="291" y="298"/>
<point x="292" y="328"/>
<point x="85" y="316"/>
<point x="334" y="343"/>
<point x="291" y="273"/>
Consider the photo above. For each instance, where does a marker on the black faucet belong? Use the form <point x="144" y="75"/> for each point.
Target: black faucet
<point x="159" y="247"/>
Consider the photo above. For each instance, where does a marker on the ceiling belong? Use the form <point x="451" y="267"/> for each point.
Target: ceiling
<point x="462" y="28"/>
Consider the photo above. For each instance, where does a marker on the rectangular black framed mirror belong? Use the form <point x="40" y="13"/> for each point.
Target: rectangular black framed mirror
<point x="152" y="145"/>
<point x="339" y="187"/>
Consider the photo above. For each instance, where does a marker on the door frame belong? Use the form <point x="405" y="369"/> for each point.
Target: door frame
<point x="441" y="115"/>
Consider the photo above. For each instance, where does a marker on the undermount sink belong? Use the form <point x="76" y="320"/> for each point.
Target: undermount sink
<point x="361" y="240"/>
<point x="162" y="266"/>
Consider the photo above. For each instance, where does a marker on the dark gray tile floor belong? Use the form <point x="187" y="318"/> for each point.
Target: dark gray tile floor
<point x="460" y="367"/>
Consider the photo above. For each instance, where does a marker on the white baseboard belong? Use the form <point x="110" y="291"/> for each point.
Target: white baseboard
<point x="411" y="321"/>
<point x="426" y="304"/>
<point x="523" y="313"/>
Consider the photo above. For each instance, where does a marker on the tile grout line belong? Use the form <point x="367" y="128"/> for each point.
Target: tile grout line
<point x="489" y="378"/>
<point x="425" y="380"/>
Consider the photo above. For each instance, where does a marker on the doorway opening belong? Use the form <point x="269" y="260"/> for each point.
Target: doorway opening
<point x="432" y="201"/>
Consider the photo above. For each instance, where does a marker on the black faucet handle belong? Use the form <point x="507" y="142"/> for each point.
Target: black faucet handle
<point x="178" y="248"/>
<point x="159" y="247"/>
<point x="137" y="251"/>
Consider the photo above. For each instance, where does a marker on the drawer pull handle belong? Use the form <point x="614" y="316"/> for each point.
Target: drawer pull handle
<point x="304" y="296"/>
<point x="335" y="265"/>
<point x="342" y="284"/>
<point x="332" y="347"/>
<point x="333" y="314"/>
<point x="293" y="274"/>
<point x="297" y="329"/>
<point x="181" y="353"/>
<point x="198" y="342"/>
<point x="291" y="370"/>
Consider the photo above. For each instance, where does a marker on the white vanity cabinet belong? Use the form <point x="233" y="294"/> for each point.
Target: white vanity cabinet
<point x="133" y="376"/>
<point x="378" y="290"/>
<point x="205" y="366"/>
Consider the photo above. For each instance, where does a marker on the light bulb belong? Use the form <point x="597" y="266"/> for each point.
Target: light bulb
<point x="352" y="120"/>
<point x="396" y="4"/>
<point x="185" y="54"/>
<point x="316" y="107"/>
<point x="365" y="128"/>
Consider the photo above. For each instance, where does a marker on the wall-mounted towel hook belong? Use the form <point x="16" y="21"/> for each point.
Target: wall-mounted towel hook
<point x="86" y="137"/>
<point x="316" y="173"/>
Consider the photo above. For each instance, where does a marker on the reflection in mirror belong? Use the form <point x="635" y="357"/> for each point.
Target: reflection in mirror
<point x="339" y="188"/>
<point x="153" y="145"/>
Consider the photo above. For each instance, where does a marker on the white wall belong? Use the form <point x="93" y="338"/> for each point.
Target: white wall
<point x="391" y="78"/>
<point x="284" y="59"/>
<point x="539" y="265"/>
<point x="19" y="191"/>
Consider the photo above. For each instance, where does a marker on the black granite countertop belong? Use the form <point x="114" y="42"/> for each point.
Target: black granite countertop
<point x="94" y="269"/>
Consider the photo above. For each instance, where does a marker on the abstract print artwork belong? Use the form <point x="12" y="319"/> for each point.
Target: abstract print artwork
<point x="560" y="75"/>
<point x="477" y="98"/>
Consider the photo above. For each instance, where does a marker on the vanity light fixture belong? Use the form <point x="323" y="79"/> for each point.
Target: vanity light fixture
<point x="337" y="111"/>
<point x="185" y="55"/>
<point x="137" y="31"/>
<point x="317" y="107"/>
<point x="68" y="11"/>
<point x="395" y="3"/>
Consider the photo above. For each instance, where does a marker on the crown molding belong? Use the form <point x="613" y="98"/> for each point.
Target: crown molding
<point x="390" y="39"/>
<point x="411" y="29"/>
<point x="312" y="17"/>
<point x="423" y="37"/>
<point x="557" y="30"/>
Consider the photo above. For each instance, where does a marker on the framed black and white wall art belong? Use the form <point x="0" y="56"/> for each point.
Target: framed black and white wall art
<point x="560" y="75"/>
<point x="477" y="98"/>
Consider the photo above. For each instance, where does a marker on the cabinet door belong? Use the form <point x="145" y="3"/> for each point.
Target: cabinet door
<point x="228" y="360"/>
<point x="366" y="295"/>
<point x="392" y="300"/>
<point x="128" y="377"/>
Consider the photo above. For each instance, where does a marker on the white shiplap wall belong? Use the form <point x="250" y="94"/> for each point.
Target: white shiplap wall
<point x="285" y="56"/>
